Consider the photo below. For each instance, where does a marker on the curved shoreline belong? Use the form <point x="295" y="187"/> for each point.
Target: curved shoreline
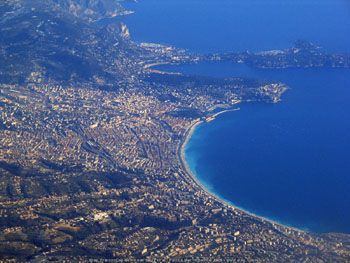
<point x="181" y="155"/>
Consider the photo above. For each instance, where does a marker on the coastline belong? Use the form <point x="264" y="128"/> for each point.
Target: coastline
<point x="181" y="155"/>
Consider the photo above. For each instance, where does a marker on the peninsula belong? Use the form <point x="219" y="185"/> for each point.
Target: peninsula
<point x="90" y="148"/>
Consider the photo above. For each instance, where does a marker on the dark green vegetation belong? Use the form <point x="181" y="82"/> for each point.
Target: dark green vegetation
<point x="50" y="44"/>
<point x="90" y="137"/>
<point x="188" y="86"/>
<point x="46" y="182"/>
<point x="303" y="54"/>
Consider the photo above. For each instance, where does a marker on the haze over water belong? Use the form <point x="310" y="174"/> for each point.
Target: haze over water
<point x="287" y="161"/>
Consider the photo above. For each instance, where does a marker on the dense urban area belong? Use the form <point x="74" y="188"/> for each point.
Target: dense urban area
<point x="91" y="141"/>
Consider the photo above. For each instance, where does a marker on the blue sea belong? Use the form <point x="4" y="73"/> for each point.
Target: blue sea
<point x="290" y="161"/>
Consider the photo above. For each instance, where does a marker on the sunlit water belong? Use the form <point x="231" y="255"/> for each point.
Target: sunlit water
<point x="287" y="161"/>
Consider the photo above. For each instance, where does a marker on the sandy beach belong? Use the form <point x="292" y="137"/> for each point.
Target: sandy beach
<point x="186" y="168"/>
<point x="181" y="155"/>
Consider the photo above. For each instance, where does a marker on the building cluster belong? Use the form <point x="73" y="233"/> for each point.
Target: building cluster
<point x="91" y="140"/>
<point x="89" y="170"/>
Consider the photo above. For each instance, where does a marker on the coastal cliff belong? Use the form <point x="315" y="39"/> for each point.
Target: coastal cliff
<point x="89" y="154"/>
<point x="303" y="54"/>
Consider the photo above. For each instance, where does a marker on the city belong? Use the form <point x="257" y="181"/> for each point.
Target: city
<point x="91" y="170"/>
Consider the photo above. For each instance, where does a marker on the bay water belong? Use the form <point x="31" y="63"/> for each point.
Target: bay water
<point x="290" y="161"/>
